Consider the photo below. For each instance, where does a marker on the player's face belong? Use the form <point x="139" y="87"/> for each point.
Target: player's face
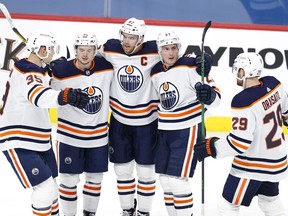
<point x="169" y="54"/>
<point x="85" y="56"/>
<point x="129" y="42"/>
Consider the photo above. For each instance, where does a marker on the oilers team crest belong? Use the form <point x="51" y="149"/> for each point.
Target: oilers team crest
<point x="96" y="100"/>
<point x="130" y="78"/>
<point x="169" y="95"/>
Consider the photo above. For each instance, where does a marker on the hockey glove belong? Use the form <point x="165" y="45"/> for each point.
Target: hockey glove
<point x="49" y="67"/>
<point x="207" y="64"/>
<point x="74" y="97"/>
<point x="205" y="148"/>
<point x="285" y="120"/>
<point x="205" y="93"/>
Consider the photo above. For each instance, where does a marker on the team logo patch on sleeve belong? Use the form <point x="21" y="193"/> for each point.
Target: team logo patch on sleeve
<point x="96" y="100"/>
<point x="130" y="78"/>
<point x="169" y="95"/>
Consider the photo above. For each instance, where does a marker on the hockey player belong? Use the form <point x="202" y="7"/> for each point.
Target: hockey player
<point x="256" y="141"/>
<point x="133" y="125"/>
<point x="83" y="133"/>
<point x="179" y="127"/>
<point x="25" y="128"/>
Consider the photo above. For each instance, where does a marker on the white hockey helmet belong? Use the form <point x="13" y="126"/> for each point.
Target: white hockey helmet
<point x="39" y="39"/>
<point x="250" y="62"/>
<point x="167" y="38"/>
<point x="135" y="27"/>
<point x="86" y="39"/>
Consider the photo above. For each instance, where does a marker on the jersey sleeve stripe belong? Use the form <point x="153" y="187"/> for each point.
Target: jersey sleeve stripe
<point x="31" y="91"/>
<point x="39" y="95"/>
<point x="238" y="145"/>
<point x="232" y="146"/>
<point x="34" y="92"/>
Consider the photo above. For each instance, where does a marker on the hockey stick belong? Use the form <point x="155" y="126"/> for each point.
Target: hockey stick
<point x="207" y="26"/>
<point x="9" y="19"/>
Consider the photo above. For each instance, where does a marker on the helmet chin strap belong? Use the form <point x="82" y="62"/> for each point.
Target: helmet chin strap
<point x="243" y="79"/>
<point x="42" y="59"/>
<point x="136" y="46"/>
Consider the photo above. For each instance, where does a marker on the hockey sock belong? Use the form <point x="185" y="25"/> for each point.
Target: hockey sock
<point x="42" y="197"/>
<point x="68" y="199"/>
<point x="126" y="192"/>
<point x="55" y="208"/>
<point x="168" y="196"/>
<point x="183" y="204"/>
<point x="91" y="196"/>
<point x="227" y="208"/>
<point x="145" y="195"/>
<point x="271" y="206"/>
<point x="41" y="211"/>
<point x="169" y="203"/>
<point x="182" y="195"/>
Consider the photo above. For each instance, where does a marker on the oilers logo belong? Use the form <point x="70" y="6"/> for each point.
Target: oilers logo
<point x="96" y="100"/>
<point x="169" y="95"/>
<point x="130" y="78"/>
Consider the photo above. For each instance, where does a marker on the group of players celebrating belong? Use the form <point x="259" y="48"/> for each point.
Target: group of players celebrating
<point x="156" y="96"/>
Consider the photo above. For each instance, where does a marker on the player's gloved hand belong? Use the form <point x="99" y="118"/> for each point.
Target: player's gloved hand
<point x="74" y="97"/>
<point x="205" y="93"/>
<point x="207" y="64"/>
<point x="49" y="67"/>
<point x="285" y="120"/>
<point x="205" y="148"/>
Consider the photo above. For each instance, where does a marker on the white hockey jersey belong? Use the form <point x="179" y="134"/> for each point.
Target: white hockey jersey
<point x="257" y="137"/>
<point x="133" y="100"/>
<point x="87" y="127"/>
<point x="179" y="107"/>
<point x="24" y="117"/>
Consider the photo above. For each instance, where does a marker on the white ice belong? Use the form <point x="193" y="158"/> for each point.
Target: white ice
<point x="15" y="200"/>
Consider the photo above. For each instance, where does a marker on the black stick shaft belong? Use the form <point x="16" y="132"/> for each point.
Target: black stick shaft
<point x="207" y="26"/>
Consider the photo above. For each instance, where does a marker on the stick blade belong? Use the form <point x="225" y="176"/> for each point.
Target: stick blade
<point x="19" y="35"/>
<point x="207" y="26"/>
